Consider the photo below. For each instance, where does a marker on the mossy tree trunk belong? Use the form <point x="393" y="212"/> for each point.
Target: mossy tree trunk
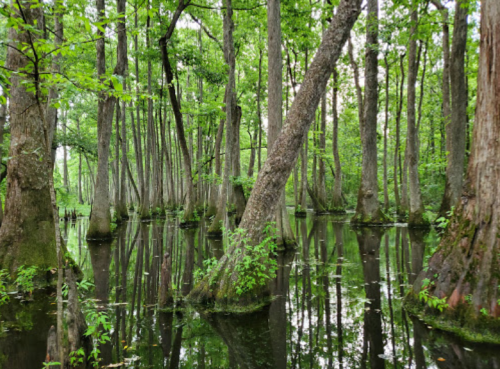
<point x="465" y="270"/>
<point x="27" y="235"/>
<point x="219" y="285"/>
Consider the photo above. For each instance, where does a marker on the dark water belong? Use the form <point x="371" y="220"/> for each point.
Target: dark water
<point x="339" y="304"/>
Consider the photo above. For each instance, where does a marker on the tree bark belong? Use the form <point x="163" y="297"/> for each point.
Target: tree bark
<point x="457" y="128"/>
<point x="416" y="214"/>
<point x="189" y="201"/>
<point x="368" y="209"/>
<point x="218" y="286"/>
<point x="230" y="97"/>
<point x="465" y="269"/>
<point x="27" y="234"/>
<point x="274" y="108"/>
<point x="337" y="201"/>
<point x="397" y="145"/>
<point x="100" y="221"/>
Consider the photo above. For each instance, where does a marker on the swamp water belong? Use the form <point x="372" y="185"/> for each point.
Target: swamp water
<point x="339" y="304"/>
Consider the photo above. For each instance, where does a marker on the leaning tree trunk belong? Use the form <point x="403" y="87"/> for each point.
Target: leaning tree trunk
<point x="27" y="235"/>
<point x="219" y="285"/>
<point x="416" y="214"/>
<point x="368" y="209"/>
<point x="456" y="133"/>
<point x="465" y="270"/>
<point x="274" y="108"/>
<point x="100" y="221"/>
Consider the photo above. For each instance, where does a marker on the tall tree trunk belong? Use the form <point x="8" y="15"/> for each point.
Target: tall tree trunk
<point x="400" y="91"/>
<point x="3" y="118"/>
<point x="238" y="192"/>
<point x="265" y="197"/>
<point x="230" y="97"/>
<point x="65" y="154"/>
<point x="465" y="269"/>
<point x="368" y="209"/>
<point x="416" y="214"/>
<point x="215" y="190"/>
<point x="100" y="221"/>
<point x="274" y="108"/>
<point x="121" y="208"/>
<point x="386" y="133"/>
<point x="80" y="196"/>
<point x="27" y="235"/>
<point x="189" y="202"/>
<point x="337" y="201"/>
<point x="458" y="125"/>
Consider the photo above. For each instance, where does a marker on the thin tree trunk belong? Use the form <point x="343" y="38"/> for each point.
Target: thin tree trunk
<point x="188" y="217"/>
<point x="215" y="191"/>
<point x="386" y="133"/>
<point x="337" y="202"/>
<point x="230" y="97"/>
<point x="400" y="91"/>
<point x="80" y="196"/>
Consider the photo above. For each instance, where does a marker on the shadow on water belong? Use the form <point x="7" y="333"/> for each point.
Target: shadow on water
<point x="338" y="303"/>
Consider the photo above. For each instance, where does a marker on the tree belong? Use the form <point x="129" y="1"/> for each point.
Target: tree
<point x="219" y="285"/>
<point x="27" y="235"/>
<point x="456" y="130"/>
<point x="100" y="220"/>
<point x="416" y="215"/>
<point x="368" y="209"/>
<point x="275" y="106"/>
<point x="464" y="270"/>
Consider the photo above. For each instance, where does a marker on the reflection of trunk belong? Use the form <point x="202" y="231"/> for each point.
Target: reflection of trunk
<point x="165" y="323"/>
<point x="339" y="244"/>
<point x="417" y="252"/>
<point x="389" y="298"/>
<point x="247" y="337"/>
<point x="466" y="267"/>
<point x="456" y="355"/>
<point x="369" y="245"/>
<point x="266" y="194"/>
<point x="100" y="256"/>
<point x="277" y="310"/>
<point x="166" y="292"/>
<point x="187" y="276"/>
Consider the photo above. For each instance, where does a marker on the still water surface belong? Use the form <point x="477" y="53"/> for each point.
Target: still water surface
<point x="339" y="304"/>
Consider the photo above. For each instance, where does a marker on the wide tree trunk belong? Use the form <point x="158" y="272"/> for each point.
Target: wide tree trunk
<point x="456" y="132"/>
<point x="100" y="221"/>
<point x="465" y="269"/>
<point x="274" y="108"/>
<point x="368" y="209"/>
<point x="27" y="235"/>
<point x="219" y="285"/>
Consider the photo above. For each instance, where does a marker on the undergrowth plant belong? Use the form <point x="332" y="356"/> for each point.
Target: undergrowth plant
<point x="256" y="266"/>
<point x="4" y="276"/>
<point x="432" y="301"/>
<point x="25" y="278"/>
